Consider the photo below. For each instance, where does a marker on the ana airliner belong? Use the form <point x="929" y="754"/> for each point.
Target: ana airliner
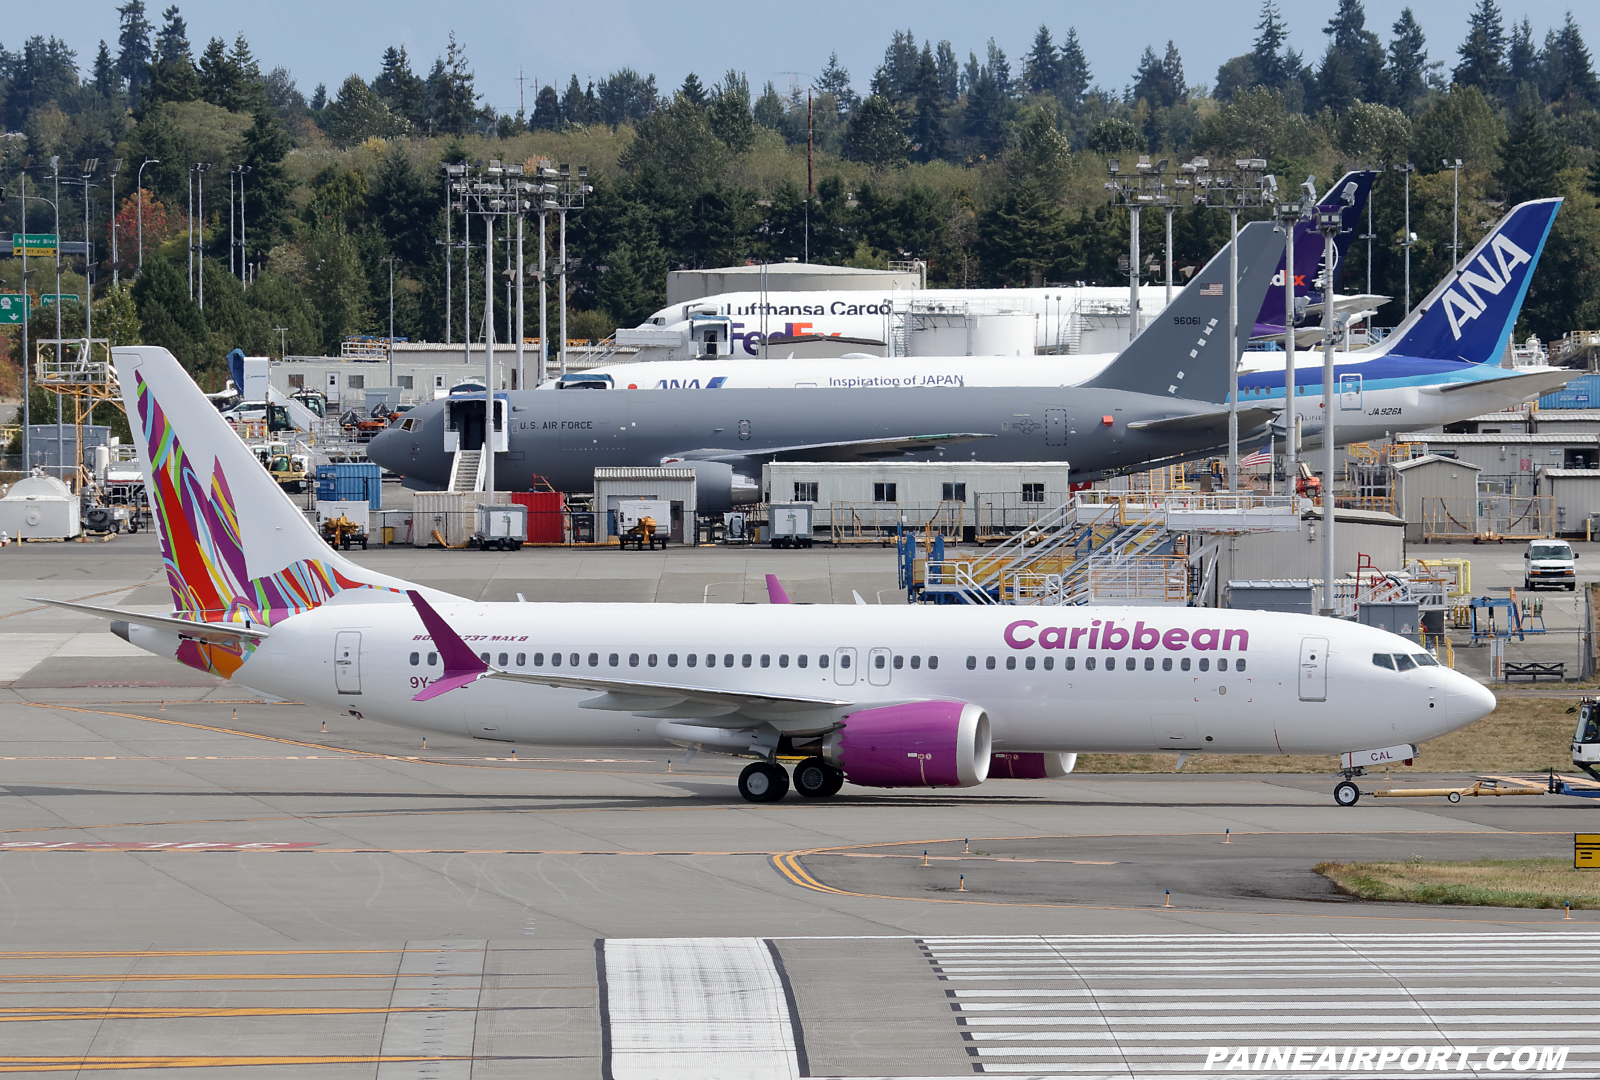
<point x="1440" y="365"/>
<point x="881" y="697"/>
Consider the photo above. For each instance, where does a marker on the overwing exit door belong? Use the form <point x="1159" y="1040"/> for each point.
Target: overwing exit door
<point x="1314" y="669"/>
<point x="347" y="662"/>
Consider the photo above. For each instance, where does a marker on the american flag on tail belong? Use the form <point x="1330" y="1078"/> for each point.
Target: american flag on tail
<point x="1260" y="457"/>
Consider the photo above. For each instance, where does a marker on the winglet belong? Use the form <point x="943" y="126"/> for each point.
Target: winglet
<point x="775" y="593"/>
<point x="462" y="666"/>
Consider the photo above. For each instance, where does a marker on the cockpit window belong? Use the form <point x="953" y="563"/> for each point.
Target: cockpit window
<point x="1425" y="659"/>
<point x="1403" y="662"/>
<point x="1383" y="660"/>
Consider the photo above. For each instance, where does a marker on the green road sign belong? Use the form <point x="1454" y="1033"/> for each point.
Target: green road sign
<point x="12" y="305"/>
<point x="48" y="299"/>
<point x="39" y="245"/>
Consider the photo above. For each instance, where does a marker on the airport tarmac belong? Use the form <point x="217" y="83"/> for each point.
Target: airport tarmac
<point x="196" y="880"/>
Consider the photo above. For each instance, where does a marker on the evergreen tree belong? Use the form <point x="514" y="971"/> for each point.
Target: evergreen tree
<point x="1274" y="64"/>
<point x="768" y="110"/>
<point x="693" y="91"/>
<point x="949" y="72"/>
<point x="1348" y="35"/>
<point x="1042" y="69"/>
<point x="874" y="134"/>
<point x="172" y="75"/>
<point x="105" y="71"/>
<point x="1022" y="237"/>
<point x="268" y="188"/>
<point x="729" y="112"/>
<point x="406" y="212"/>
<point x="1568" y="70"/>
<point x="897" y="75"/>
<point x="453" y="102"/>
<point x="319" y="98"/>
<point x="133" y="48"/>
<point x="357" y="114"/>
<point x="401" y="89"/>
<point x="172" y="43"/>
<point x="1001" y="68"/>
<point x="1531" y="160"/>
<point x="927" y="126"/>
<point x="546" y="110"/>
<point x="1522" y="57"/>
<point x="986" y="112"/>
<point x="1074" y="72"/>
<point x="1483" y="52"/>
<point x="169" y="317"/>
<point x="573" y="107"/>
<point x="1408" y="60"/>
<point x="1159" y="80"/>
<point x="835" y="82"/>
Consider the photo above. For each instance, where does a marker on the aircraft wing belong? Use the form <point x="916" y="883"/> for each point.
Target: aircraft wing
<point x="673" y="701"/>
<point x="1532" y="382"/>
<point x="858" y="450"/>
<point x="1248" y="418"/>
<point x="215" y="632"/>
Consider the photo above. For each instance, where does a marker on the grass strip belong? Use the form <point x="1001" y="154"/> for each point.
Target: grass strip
<point x="1522" y="883"/>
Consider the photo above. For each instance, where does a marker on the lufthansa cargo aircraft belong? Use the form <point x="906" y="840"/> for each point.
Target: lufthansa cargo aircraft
<point x="884" y="697"/>
<point x="1156" y="402"/>
<point x="1440" y="365"/>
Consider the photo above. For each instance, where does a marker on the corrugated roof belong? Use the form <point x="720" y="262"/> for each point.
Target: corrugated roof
<point x="1571" y="474"/>
<point x="607" y="472"/>
<point x="1429" y="459"/>
<point x="1509" y="438"/>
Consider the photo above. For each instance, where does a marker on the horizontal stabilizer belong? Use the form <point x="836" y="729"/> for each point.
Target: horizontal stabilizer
<point x="1542" y="381"/>
<point x="220" y="633"/>
<point x="1248" y="419"/>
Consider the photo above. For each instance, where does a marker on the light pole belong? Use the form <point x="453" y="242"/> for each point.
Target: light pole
<point x="116" y="273"/>
<point x="1289" y="216"/>
<point x="570" y="195"/>
<point x="27" y="302"/>
<point x="244" y="170"/>
<point x="1329" y="224"/>
<point x="90" y="165"/>
<point x="1455" y="215"/>
<point x="202" y="169"/>
<point x="1144" y="187"/>
<point x="545" y="191"/>
<point x="450" y="173"/>
<point x="55" y="170"/>
<point x="1247" y="184"/>
<point x="139" y="192"/>
<point x="192" y="168"/>
<point x="231" y="224"/>
<point x="1410" y="238"/>
<point x="520" y="188"/>
<point x="390" y="261"/>
<point x="283" y="347"/>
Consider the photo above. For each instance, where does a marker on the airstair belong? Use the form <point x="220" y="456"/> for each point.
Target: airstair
<point x="1096" y="548"/>
<point x="466" y="471"/>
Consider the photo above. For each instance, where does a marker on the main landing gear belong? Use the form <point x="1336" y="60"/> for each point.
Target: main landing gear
<point x="814" y="778"/>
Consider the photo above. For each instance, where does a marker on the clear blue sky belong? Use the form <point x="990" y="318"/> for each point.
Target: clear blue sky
<point x="326" y="41"/>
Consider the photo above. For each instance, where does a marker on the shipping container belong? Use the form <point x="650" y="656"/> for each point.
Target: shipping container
<point x="1583" y="392"/>
<point x="448" y="518"/>
<point x="351" y="481"/>
<point x="546" y="524"/>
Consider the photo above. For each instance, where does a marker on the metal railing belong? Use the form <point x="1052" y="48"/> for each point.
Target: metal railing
<point x="877" y="523"/>
<point x="1487" y="517"/>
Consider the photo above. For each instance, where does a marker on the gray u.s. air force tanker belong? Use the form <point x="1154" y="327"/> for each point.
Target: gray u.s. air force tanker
<point x="1154" y="403"/>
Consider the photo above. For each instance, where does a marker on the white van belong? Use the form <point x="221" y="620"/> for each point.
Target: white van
<point x="1550" y="562"/>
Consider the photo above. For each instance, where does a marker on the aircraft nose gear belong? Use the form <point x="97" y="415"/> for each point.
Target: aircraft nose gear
<point x="1345" y="793"/>
<point x="816" y="779"/>
<point x="763" y="782"/>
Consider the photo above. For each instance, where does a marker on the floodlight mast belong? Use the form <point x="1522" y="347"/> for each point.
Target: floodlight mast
<point x="1143" y="187"/>
<point x="1329" y="224"/>
<point x="1410" y="238"/>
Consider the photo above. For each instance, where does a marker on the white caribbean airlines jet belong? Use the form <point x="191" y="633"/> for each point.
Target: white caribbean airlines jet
<point x="889" y="697"/>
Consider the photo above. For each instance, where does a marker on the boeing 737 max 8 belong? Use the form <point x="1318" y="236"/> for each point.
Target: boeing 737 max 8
<point x="889" y="696"/>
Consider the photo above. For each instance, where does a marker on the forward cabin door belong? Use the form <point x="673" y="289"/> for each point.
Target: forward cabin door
<point x="1314" y="669"/>
<point x="347" y="661"/>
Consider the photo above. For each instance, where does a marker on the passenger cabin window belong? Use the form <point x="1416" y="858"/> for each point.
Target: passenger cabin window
<point x="783" y="660"/>
<point x="652" y="660"/>
<point x="822" y="661"/>
<point x="1029" y="663"/>
<point x="484" y="657"/>
<point x="916" y="662"/>
<point x="502" y="659"/>
<point x="1238" y="665"/>
<point x="766" y="659"/>
<point x="572" y="660"/>
<point x="1166" y="663"/>
<point x="416" y="659"/>
<point x="1011" y="663"/>
<point x="800" y="660"/>
<point x="1222" y="663"/>
<point x="594" y="659"/>
<point x="1205" y="664"/>
<point x="972" y="662"/>
<point x="933" y="663"/>
<point x="538" y="659"/>
<point x="633" y="659"/>
<point x="555" y="659"/>
<point x="1049" y="663"/>
<point x="989" y="663"/>
<point x="614" y="659"/>
<point x="433" y="658"/>
<point x="1183" y="664"/>
<point x="899" y="662"/>
<point x="522" y="659"/>
<point x="1069" y="663"/>
<point x="672" y="659"/>
<point x="692" y="659"/>
<point x="1088" y="663"/>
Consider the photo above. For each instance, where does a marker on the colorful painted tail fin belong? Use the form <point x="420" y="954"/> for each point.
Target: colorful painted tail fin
<point x="1469" y="315"/>
<point x="1349" y="196"/>
<point x="233" y="543"/>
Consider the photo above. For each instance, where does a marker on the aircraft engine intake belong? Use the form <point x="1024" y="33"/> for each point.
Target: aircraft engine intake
<point x="1030" y="766"/>
<point x="922" y="744"/>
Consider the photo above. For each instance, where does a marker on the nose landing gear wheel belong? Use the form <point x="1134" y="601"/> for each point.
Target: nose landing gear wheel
<point x="762" y="782"/>
<point x="816" y="779"/>
<point x="1345" y="793"/>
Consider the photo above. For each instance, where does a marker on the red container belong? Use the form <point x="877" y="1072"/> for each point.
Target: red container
<point x="545" y="525"/>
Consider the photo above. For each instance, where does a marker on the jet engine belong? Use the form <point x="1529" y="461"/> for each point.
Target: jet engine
<point x="1029" y="766"/>
<point x="921" y="744"/>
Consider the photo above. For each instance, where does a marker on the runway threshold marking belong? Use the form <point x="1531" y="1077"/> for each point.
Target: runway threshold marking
<point x="789" y="865"/>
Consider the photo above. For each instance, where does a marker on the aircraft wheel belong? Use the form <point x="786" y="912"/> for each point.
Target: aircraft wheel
<point x="1454" y="796"/>
<point x="1345" y="793"/>
<point x="816" y="779"/>
<point x="762" y="782"/>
